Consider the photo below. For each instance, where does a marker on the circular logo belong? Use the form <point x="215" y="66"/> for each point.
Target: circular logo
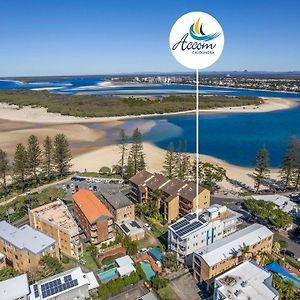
<point x="196" y="40"/>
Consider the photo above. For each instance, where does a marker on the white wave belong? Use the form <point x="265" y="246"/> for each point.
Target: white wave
<point x="48" y="88"/>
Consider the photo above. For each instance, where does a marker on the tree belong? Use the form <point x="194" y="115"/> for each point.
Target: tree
<point x="20" y="165"/>
<point x="4" y="168"/>
<point x="48" y="157"/>
<point x="136" y="158"/>
<point x="289" y="161"/>
<point x="52" y="264"/>
<point x="276" y="247"/>
<point x="104" y="171"/>
<point x="210" y="175"/>
<point x="7" y="272"/>
<point x="261" y="170"/>
<point x="158" y="282"/>
<point x="182" y="162"/>
<point x="33" y="156"/>
<point x="282" y="243"/>
<point x="61" y="154"/>
<point x="296" y="172"/>
<point x="245" y="250"/>
<point x="123" y="149"/>
<point x="129" y="245"/>
<point x="103" y="291"/>
<point x="170" y="162"/>
<point x="170" y="261"/>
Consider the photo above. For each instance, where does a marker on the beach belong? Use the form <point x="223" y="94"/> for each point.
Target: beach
<point x="40" y="114"/>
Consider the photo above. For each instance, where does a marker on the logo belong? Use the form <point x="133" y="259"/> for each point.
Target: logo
<point x="196" y="40"/>
<point x="196" y="31"/>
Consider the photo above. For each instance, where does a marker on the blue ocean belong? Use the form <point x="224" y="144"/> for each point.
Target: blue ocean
<point x="235" y="138"/>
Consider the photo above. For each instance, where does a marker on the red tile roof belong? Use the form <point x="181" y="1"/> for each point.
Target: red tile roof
<point x="90" y="205"/>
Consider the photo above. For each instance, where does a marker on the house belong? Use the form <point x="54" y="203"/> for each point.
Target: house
<point x="15" y="288"/>
<point x="25" y="246"/>
<point x="216" y="258"/>
<point x="245" y="281"/>
<point x="93" y="217"/>
<point x="132" y="229"/>
<point x="174" y="197"/>
<point x="55" y="220"/>
<point x="191" y="233"/>
<point x="72" y="284"/>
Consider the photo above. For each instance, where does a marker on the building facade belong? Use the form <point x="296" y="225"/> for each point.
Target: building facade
<point x="189" y="233"/>
<point x="55" y="220"/>
<point x="25" y="246"/>
<point x="93" y="217"/>
<point x="174" y="197"/>
<point x="246" y="281"/>
<point x="216" y="258"/>
<point x="118" y="204"/>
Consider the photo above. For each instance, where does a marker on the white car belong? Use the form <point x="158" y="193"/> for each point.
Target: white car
<point x="143" y="250"/>
<point x="147" y="226"/>
<point x="72" y="185"/>
<point x="90" y="188"/>
<point x="64" y="187"/>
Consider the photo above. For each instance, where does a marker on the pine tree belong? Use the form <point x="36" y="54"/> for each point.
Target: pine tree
<point x="33" y="156"/>
<point x="4" y="168"/>
<point x="48" y="157"/>
<point x="296" y="171"/>
<point x="261" y="171"/>
<point x="61" y="154"/>
<point x="123" y="148"/>
<point x="289" y="161"/>
<point x="136" y="157"/>
<point x="170" y="162"/>
<point x="182" y="162"/>
<point x="20" y="167"/>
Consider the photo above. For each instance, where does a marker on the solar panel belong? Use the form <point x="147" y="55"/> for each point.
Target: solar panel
<point x="124" y="227"/>
<point x="180" y="224"/>
<point x="36" y="291"/>
<point x="135" y="224"/>
<point x="190" y="217"/>
<point x="68" y="278"/>
<point x="189" y="228"/>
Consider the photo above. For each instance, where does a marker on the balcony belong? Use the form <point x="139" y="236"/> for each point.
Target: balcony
<point x="94" y="234"/>
<point x="93" y="227"/>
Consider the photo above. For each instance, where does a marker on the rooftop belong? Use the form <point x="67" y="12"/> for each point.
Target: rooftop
<point x="189" y="191"/>
<point x="247" y="281"/>
<point x="124" y="261"/>
<point x="187" y="225"/>
<point x="57" y="213"/>
<point x="14" y="288"/>
<point x="61" y="283"/>
<point x="25" y="237"/>
<point x="130" y="227"/>
<point x="91" y="206"/>
<point x="116" y="198"/>
<point x="222" y="249"/>
<point x="156" y="181"/>
<point x="141" y="177"/>
<point x="173" y="186"/>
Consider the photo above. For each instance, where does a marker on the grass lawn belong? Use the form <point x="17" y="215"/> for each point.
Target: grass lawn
<point x="111" y="259"/>
<point x="168" y="293"/>
<point x="89" y="261"/>
<point x="148" y="241"/>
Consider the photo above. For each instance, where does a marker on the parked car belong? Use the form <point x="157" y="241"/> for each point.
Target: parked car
<point x="90" y="188"/>
<point x="147" y="226"/>
<point x="143" y="250"/>
<point x="64" y="186"/>
<point x="287" y="252"/>
<point x="94" y="188"/>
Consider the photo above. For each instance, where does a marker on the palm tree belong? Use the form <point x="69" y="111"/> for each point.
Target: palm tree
<point x="244" y="251"/>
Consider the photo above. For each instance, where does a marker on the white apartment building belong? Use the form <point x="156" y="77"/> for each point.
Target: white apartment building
<point x="189" y="234"/>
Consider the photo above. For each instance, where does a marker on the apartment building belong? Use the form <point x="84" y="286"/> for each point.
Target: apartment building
<point x="118" y="204"/>
<point x="25" y="246"/>
<point x="177" y="198"/>
<point x="191" y="233"/>
<point x="72" y="284"/>
<point x="246" y="281"/>
<point x="55" y="220"/>
<point x="93" y="217"/>
<point x="216" y="258"/>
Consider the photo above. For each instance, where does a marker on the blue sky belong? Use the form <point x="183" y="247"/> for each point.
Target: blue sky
<point x="60" y="37"/>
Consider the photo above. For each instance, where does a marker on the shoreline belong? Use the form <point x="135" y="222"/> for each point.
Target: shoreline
<point x="29" y="114"/>
<point x="93" y="160"/>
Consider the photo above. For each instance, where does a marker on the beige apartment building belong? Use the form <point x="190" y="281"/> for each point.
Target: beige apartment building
<point x="25" y="246"/>
<point x="177" y="197"/>
<point x="218" y="257"/>
<point x="55" y="220"/>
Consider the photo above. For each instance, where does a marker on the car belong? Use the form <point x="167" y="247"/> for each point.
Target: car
<point x="287" y="252"/>
<point x="72" y="185"/>
<point x="73" y="178"/>
<point x="94" y="188"/>
<point x="67" y="186"/>
<point x="64" y="186"/>
<point x="76" y="187"/>
<point x="90" y="188"/>
<point x="147" y="226"/>
<point x="143" y="250"/>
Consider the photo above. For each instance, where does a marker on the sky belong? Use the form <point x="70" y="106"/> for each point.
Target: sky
<point x="73" y="37"/>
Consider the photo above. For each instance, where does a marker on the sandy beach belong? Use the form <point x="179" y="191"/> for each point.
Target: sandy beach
<point x="40" y="114"/>
<point x="110" y="155"/>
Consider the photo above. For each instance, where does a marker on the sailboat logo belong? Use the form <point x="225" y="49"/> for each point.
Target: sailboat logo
<point x="196" y="31"/>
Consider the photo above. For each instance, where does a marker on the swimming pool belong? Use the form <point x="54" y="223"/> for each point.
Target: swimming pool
<point x="108" y="275"/>
<point x="147" y="269"/>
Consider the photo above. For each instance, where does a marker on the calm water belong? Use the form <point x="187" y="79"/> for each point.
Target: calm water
<point x="235" y="138"/>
